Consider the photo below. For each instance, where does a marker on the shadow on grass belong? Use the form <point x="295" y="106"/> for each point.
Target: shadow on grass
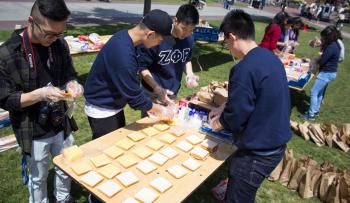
<point x="102" y="16"/>
<point x="77" y="191"/>
<point x="300" y="100"/>
<point x="202" y="194"/>
<point x="204" y="55"/>
<point x="101" y="30"/>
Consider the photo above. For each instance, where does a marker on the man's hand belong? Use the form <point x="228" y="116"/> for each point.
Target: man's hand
<point x="49" y="93"/>
<point x="162" y="112"/>
<point x="74" y="89"/>
<point x="216" y="111"/>
<point x="162" y="94"/>
<point x="192" y="80"/>
<point x="215" y="123"/>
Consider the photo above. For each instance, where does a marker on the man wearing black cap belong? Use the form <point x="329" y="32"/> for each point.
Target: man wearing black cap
<point x="163" y="65"/>
<point x="113" y="80"/>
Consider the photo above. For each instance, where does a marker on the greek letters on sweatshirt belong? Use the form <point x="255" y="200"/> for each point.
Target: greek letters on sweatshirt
<point x="166" y="63"/>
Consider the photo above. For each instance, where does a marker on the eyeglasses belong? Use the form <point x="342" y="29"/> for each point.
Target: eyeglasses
<point x="49" y="35"/>
<point x="225" y="42"/>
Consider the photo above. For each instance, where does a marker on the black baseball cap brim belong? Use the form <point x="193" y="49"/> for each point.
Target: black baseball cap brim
<point x="160" y="22"/>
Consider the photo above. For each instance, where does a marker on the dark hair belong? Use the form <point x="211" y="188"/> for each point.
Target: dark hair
<point x="279" y="19"/>
<point x="239" y="23"/>
<point x="55" y="10"/>
<point x="187" y="14"/>
<point x="295" y="21"/>
<point x="329" y="35"/>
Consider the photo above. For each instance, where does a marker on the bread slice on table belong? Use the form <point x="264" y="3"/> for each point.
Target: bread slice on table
<point x="109" y="188"/>
<point x="127" y="178"/>
<point x="91" y="178"/>
<point x="161" y="184"/>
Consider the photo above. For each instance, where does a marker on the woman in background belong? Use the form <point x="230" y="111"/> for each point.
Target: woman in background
<point x="274" y="31"/>
<point x="328" y="64"/>
<point x="289" y="41"/>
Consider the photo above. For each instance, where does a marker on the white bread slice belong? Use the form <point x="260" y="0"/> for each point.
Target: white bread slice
<point x="109" y="188"/>
<point x="108" y="171"/>
<point x="191" y="164"/>
<point x="161" y="184"/>
<point x="177" y="171"/>
<point x="91" y="178"/>
<point x="146" y="195"/>
<point x="199" y="153"/>
<point x="127" y="178"/>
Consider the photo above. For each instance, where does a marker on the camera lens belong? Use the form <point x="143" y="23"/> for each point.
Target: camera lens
<point x="44" y="114"/>
<point x="57" y="113"/>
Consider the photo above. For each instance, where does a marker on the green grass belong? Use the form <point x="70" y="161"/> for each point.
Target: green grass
<point x="216" y="64"/>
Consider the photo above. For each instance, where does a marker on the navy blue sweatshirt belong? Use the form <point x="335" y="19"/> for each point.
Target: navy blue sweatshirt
<point x="258" y="108"/>
<point x="113" y="80"/>
<point x="330" y="58"/>
<point x="166" y="63"/>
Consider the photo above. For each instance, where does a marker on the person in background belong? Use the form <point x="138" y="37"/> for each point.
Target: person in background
<point x="290" y="39"/>
<point x="274" y="31"/>
<point x="202" y="4"/>
<point x="341" y="16"/>
<point x="328" y="64"/>
<point x="262" y="4"/>
<point x="36" y="77"/>
<point x="293" y="32"/>
<point x="257" y="112"/>
<point x="163" y="65"/>
<point x="227" y="4"/>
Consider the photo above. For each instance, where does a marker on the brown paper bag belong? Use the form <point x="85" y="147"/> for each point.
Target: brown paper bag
<point x="317" y="132"/>
<point x="287" y="167"/>
<point x="304" y="130"/>
<point x="205" y="97"/>
<point x="314" y="138"/>
<point x="316" y="181"/>
<point x="309" y="181"/>
<point x="344" y="187"/>
<point x="305" y="190"/>
<point x="296" y="177"/>
<point x="328" y="139"/>
<point x="333" y="194"/>
<point x="275" y="174"/>
<point x="294" y="126"/>
<point x="345" y="130"/>
<point x="333" y="129"/>
<point x="325" y="185"/>
<point x="220" y="96"/>
<point x="341" y="143"/>
<point x="328" y="167"/>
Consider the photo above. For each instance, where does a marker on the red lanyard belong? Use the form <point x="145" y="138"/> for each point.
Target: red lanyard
<point x="28" y="49"/>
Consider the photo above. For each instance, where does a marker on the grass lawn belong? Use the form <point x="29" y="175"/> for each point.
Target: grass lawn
<point x="216" y="64"/>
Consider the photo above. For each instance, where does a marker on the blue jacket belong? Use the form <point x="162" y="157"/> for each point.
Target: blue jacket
<point x="166" y="62"/>
<point x="330" y="58"/>
<point x="113" y="80"/>
<point x="258" y="108"/>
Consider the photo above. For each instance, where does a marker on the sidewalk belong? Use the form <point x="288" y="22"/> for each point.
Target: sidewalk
<point x="93" y="12"/>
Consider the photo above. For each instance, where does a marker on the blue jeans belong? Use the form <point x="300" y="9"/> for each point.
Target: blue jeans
<point x="39" y="169"/>
<point x="317" y="91"/>
<point x="247" y="172"/>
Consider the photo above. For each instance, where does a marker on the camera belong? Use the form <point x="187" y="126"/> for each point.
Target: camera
<point x="52" y="111"/>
